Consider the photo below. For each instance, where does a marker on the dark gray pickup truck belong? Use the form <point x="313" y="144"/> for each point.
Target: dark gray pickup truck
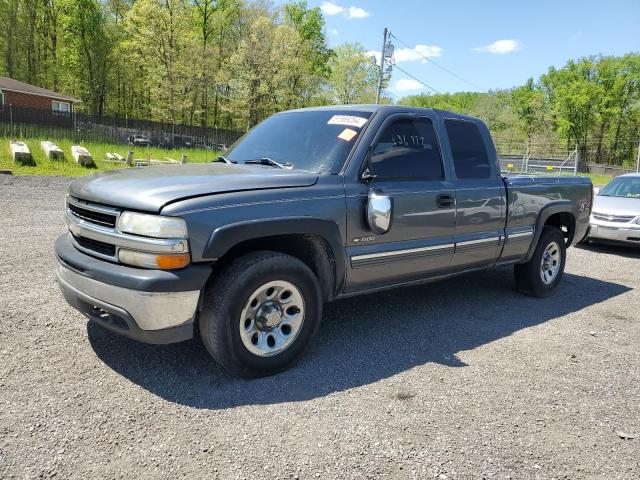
<point x="310" y="206"/>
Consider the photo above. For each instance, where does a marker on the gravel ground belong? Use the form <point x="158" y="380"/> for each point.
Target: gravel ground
<point x="460" y="379"/>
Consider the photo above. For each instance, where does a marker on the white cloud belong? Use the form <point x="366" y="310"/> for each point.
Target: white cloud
<point x="334" y="32"/>
<point x="500" y="47"/>
<point x="407" y="85"/>
<point x="331" y="9"/>
<point x="357" y="12"/>
<point x="419" y="52"/>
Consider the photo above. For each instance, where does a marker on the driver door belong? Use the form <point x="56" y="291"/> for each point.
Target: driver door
<point x="405" y="166"/>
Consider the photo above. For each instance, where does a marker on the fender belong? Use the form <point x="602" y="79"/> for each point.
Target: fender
<point x="551" y="208"/>
<point x="224" y="238"/>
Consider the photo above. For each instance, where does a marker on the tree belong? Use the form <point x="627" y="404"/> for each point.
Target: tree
<point x="87" y="48"/>
<point x="310" y="62"/>
<point x="161" y="45"/>
<point x="527" y="103"/>
<point x="353" y="76"/>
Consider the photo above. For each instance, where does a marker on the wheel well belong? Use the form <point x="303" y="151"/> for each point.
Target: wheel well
<point x="566" y="222"/>
<point x="311" y="249"/>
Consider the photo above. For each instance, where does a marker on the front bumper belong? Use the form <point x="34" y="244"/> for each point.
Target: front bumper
<point x="614" y="232"/>
<point x="151" y="306"/>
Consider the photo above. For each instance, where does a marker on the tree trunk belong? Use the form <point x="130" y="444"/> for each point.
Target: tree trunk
<point x="31" y="45"/>
<point x="11" y="31"/>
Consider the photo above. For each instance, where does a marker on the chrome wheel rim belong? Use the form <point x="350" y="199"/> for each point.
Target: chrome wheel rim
<point x="272" y="318"/>
<point x="550" y="263"/>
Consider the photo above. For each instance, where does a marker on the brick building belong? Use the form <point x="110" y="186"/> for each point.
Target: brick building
<point x="22" y="95"/>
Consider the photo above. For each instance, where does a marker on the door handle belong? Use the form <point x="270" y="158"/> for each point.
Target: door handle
<point x="444" y="200"/>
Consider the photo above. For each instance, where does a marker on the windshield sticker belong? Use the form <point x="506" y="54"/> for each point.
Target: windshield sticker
<point x="347" y="120"/>
<point x="347" y="135"/>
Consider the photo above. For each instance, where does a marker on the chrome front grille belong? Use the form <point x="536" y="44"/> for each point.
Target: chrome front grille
<point x="96" y="246"/>
<point x="84" y="219"/>
<point x="613" y="218"/>
<point x="94" y="230"/>
<point x="92" y="216"/>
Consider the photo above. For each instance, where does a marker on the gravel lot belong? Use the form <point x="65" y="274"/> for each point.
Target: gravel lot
<point x="460" y="379"/>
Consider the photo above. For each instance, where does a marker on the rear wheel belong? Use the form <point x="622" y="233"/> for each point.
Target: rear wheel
<point x="260" y="313"/>
<point x="540" y="276"/>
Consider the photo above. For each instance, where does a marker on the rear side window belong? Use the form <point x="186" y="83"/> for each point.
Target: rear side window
<point x="470" y="158"/>
<point x="407" y="149"/>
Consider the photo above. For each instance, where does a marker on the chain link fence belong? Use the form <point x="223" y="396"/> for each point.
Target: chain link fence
<point x="20" y="122"/>
<point x="558" y="159"/>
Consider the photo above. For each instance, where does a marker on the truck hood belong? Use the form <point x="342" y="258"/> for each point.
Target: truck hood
<point x="150" y="188"/>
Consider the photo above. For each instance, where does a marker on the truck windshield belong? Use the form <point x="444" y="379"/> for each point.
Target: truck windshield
<point x="628" y="187"/>
<point x="315" y="140"/>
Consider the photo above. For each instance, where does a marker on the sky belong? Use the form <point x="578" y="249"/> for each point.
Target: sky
<point x="490" y="44"/>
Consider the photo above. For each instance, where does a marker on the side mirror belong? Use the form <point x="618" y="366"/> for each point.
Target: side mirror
<point x="379" y="212"/>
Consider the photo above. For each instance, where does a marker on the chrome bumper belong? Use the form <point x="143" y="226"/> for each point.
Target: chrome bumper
<point x="149" y="310"/>
<point x="614" y="232"/>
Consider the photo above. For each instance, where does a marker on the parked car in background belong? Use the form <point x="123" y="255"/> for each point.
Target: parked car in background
<point x="139" y="140"/>
<point x="162" y="141"/>
<point x="218" y="147"/>
<point x="616" y="211"/>
<point x="309" y="206"/>
<point x="173" y="141"/>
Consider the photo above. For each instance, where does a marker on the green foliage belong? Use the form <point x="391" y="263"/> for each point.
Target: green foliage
<point x="353" y="76"/>
<point x="527" y="103"/>
<point x="593" y="103"/>
<point x="231" y="63"/>
<point x="493" y="108"/>
<point x="225" y="63"/>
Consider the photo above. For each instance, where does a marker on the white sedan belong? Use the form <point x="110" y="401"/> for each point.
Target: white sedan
<point x="616" y="211"/>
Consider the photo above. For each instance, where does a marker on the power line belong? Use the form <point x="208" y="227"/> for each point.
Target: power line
<point x="449" y="97"/>
<point x="430" y="60"/>
<point x="418" y="80"/>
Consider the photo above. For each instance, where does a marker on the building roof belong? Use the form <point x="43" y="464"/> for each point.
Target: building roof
<point x="11" y="85"/>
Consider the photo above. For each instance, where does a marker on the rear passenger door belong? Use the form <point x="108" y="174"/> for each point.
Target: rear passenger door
<point x="480" y="195"/>
<point x="406" y="164"/>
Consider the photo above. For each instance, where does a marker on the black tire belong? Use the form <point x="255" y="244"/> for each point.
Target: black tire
<point x="529" y="275"/>
<point x="227" y="295"/>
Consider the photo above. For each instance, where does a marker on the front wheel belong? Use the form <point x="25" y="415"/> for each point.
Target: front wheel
<point x="540" y="276"/>
<point x="260" y="313"/>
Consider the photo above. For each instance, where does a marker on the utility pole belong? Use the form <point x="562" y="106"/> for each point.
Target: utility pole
<point x="381" y="72"/>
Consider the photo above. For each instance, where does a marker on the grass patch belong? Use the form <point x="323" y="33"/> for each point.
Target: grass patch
<point x="41" y="165"/>
<point x="597" y="180"/>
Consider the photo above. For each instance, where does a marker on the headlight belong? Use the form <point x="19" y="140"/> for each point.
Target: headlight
<point x="156" y="226"/>
<point x="153" y="260"/>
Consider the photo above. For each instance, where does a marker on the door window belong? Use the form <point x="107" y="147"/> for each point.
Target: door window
<point x="470" y="159"/>
<point x="407" y="149"/>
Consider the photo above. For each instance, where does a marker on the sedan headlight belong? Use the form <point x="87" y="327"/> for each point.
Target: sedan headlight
<point x="157" y="226"/>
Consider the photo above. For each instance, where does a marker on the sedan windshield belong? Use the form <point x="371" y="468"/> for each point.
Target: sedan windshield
<point x="314" y="140"/>
<point x="627" y="187"/>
